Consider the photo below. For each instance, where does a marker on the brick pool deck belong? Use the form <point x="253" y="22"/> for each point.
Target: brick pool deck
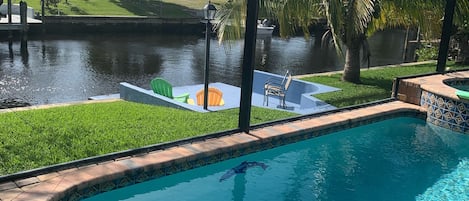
<point x="56" y="185"/>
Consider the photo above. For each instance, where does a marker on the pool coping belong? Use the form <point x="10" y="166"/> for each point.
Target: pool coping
<point x="79" y="182"/>
<point x="436" y="83"/>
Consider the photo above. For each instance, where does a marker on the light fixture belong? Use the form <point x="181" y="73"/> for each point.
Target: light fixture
<point x="210" y="11"/>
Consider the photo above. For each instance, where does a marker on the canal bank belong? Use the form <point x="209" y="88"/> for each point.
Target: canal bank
<point x="116" y="24"/>
<point x="129" y="24"/>
<point x="70" y="25"/>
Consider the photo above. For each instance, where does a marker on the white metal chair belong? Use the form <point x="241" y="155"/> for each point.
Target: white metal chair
<point x="279" y="89"/>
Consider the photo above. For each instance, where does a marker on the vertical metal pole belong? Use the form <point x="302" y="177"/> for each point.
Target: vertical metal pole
<point x="207" y="62"/>
<point x="445" y="36"/>
<point x="9" y="11"/>
<point x="248" y="65"/>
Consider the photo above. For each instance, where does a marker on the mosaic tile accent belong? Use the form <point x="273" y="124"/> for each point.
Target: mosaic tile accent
<point x="140" y="175"/>
<point x="446" y="112"/>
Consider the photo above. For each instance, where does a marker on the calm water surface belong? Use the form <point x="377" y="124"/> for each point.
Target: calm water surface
<point x="56" y="69"/>
<point x="402" y="159"/>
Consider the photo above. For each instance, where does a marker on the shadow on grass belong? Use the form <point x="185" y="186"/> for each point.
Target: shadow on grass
<point x="78" y="10"/>
<point x="56" y="10"/>
<point x="155" y="8"/>
<point x="383" y="83"/>
<point x="370" y="89"/>
<point x="354" y="96"/>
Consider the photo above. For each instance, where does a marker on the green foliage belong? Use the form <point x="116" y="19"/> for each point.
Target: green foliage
<point x="427" y="52"/>
<point x="36" y="138"/>
<point x="376" y="84"/>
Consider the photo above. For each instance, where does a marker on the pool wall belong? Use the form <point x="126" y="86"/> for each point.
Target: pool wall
<point x="84" y="181"/>
<point x="446" y="112"/>
<point x="435" y="94"/>
<point x="299" y="92"/>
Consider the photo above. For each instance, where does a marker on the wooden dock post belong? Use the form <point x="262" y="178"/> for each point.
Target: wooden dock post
<point x="10" y="26"/>
<point x="23" y="16"/>
<point x="10" y="33"/>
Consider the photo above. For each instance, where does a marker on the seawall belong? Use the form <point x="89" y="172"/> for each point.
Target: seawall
<point x="130" y="24"/>
<point x="116" y="24"/>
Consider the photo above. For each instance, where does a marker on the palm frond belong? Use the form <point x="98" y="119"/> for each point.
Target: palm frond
<point x="230" y="20"/>
<point x="335" y="15"/>
<point x="462" y="13"/>
<point x="361" y="14"/>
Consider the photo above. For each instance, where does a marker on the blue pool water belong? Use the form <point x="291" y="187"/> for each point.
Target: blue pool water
<point x="397" y="159"/>
<point x="461" y="87"/>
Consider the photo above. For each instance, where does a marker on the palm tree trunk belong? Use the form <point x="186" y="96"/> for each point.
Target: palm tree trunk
<point x="352" y="62"/>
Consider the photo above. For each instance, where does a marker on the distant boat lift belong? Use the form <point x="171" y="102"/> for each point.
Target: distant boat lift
<point x="265" y="30"/>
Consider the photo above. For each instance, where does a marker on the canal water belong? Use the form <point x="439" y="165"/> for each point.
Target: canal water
<point x="58" y="68"/>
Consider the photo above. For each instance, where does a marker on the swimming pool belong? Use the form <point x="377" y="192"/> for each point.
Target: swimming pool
<point x="397" y="159"/>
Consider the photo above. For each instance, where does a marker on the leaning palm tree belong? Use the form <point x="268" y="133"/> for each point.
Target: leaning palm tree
<point x="350" y="22"/>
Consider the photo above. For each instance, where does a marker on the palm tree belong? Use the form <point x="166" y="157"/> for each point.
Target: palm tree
<point x="350" y="21"/>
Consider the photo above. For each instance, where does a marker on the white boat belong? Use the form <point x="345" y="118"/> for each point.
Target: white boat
<point x="265" y="30"/>
<point x="265" y="27"/>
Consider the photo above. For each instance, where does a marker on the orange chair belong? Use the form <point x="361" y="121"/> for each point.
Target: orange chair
<point x="215" y="97"/>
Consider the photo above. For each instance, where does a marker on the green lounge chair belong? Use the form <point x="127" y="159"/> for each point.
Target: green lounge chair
<point x="162" y="87"/>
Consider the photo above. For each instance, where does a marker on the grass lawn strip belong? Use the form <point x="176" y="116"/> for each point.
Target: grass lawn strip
<point x="37" y="138"/>
<point x="157" y="8"/>
<point x="376" y="84"/>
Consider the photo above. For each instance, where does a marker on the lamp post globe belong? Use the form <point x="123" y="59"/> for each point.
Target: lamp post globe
<point x="209" y="11"/>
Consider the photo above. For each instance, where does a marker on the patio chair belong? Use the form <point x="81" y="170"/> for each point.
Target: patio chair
<point x="162" y="87"/>
<point x="215" y="97"/>
<point x="279" y="89"/>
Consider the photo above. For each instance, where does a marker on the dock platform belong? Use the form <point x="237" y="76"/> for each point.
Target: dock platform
<point x="15" y="24"/>
<point x="299" y="97"/>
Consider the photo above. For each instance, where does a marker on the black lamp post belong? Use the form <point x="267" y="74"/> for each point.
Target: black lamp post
<point x="209" y="14"/>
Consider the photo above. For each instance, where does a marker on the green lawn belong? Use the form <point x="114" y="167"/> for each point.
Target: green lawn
<point x="160" y="8"/>
<point x="376" y="84"/>
<point x="36" y="138"/>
